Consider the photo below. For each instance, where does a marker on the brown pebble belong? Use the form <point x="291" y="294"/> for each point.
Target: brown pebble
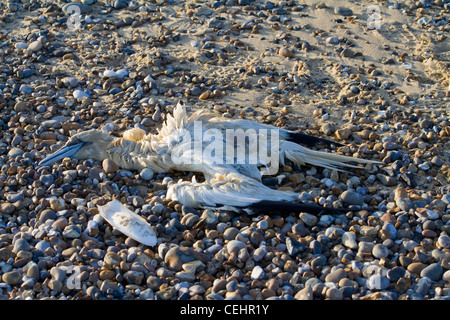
<point x="343" y="134"/>
<point x="285" y="52"/>
<point x="429" y="233"/>
<point x="205" y="95"/>
<point x="416" y="267"/>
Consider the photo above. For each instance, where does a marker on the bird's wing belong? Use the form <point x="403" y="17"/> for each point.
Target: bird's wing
<point x="231" y="190"/>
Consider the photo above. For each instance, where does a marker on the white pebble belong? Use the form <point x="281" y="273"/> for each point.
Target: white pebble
<point x="21" y="45"/>
<point x="122" y="73"/>
<point x="109" y="74"/>
<point x="257" y="273"/>
<point x="78" y="94"/>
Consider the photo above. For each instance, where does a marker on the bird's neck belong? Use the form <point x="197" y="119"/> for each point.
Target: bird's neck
<point x="136" y="155"/>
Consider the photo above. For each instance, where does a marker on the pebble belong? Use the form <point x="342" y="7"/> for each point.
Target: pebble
<point x="109" y="166"/>
<point x="56" y="83"/>
<point x="21" y="245"/>
<point x="35" y="46"/>
<point x="352" y="197"/>
<point x="349" y="240"/>
<point x="378" y="282"/>
<point x="336" y="275"/>
<point x="434" y="272"/>
<point x="12" y="277"/>
<point x="257" y="273"/>
<point x="147" y="174"/>
<point x="380" y="251"/>
<point x="343" y="11"/>
<point x="177" y="256"/>
<point x="444" y="241"/>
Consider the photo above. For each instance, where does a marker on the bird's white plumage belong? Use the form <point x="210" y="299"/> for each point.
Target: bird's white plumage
<point x="182" y="143"/>
<point x="236" y="185"/>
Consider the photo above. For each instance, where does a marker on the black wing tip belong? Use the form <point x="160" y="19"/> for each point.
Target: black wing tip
<point x="310" y="141"/>
<point x="287" y="207"/>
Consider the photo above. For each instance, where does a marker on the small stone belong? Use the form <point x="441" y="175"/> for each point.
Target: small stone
<point x="332" y="40"/>
<point x="46" y="215"/>
<point x="35" y="46"/>
<point x="427" y="213"/>
<point x="400" y="193"/>
<point x="14" y="196"/>
<point x="47" y="179"/>
<point x="154" y="283"/>
<point x="328" y="129"/>
<point x="112" y="259"/>
<point x="386" y="180"/>
<point x="309" y="219"/>
<point x="343" y="134"/>
<point x="147" y="174"/>
<point x="42" y="245"/>
<point x="12" y="277"/>
<point x="72" y="231"/>
<point x="133" y="277"/>
<point x="434" y="271"/>
<point x="57" y="274"/>
<point x="395" y="273"/>
<point x="336" y="275"/>
<point x="404" y="204"/>
<point x="378" y="282"/>
<point x="205" y="95"/>
<point x="352" y="197"/>
<point x="444" y="241"/>
<point x="334" y="294"/>
<point x="177" y="256"/>
<point x="20" y="106"/>
<point x="347" y="53"/>
<point x="343" y="11"/>
<point x="294" y="247"/>
<point x="57" y="204"/>
<point x="304" y="294"/>
<point x="69" y="8"/>
<point x="349" y="240"/>
<point x="235" y="245"/>
<point x="285" y="52"/>
<point x="257" y="273"/>
<point x="380" y="251"/>
<point x="21" y="245"/>
<point x="120" y="4"/>
<point x="416" y="267"/>
<point x="193" y="266"/>
<point x="109" y="166"/>
<point x="33" y="271"/>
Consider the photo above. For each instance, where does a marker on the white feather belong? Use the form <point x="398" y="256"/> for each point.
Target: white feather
<point x="128" y="222"/>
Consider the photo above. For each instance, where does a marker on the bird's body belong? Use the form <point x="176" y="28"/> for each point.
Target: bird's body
<point x="232" y="155"/>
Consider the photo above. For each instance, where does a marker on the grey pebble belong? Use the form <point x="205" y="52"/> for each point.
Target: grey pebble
<point x="380" y="251"/>
<point x="434" y="271"/>
<point x="343" y="11"/>
<point x="378" y="282"/>
<point x="147" y="174"/>
<point x="21" y="245"/>
<point x="352" y="197"/>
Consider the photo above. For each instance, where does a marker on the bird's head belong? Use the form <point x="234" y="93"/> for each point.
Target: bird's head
<point x="91" y="144"/>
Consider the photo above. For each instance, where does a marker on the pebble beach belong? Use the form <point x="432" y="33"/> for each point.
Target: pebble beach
<point x="315" y="67"/>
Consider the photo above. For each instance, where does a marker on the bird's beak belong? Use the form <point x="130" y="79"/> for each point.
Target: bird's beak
<point x="66" y="151"/>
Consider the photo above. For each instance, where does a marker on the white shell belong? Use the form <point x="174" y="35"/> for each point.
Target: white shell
<point x="128" y="222"/>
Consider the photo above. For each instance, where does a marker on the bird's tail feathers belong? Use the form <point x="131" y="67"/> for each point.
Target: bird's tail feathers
<point x="332" y="161"/>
